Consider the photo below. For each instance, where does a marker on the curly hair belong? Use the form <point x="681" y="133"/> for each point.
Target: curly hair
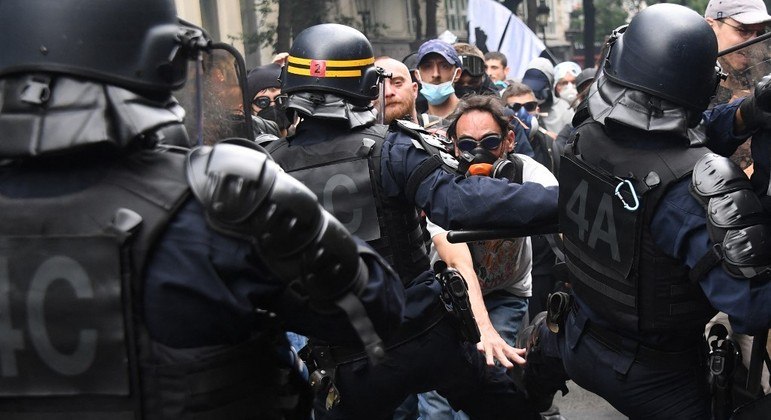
<point x="482" y="103"/>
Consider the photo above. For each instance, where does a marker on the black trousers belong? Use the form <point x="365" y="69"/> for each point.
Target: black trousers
<point x="434" y="360"/>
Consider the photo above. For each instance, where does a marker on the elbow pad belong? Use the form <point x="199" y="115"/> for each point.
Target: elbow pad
<point x="247" y="195"/>
<point x="736" y="222"/>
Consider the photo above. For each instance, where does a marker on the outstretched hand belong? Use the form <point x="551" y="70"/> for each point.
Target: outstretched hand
<point x="496" y="349"/>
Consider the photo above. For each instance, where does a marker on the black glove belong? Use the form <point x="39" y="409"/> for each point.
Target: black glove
<point x="756" y="108"/>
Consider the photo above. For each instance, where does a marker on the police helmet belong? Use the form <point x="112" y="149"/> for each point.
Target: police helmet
<point x="133" y="44"/>
<point x="668" y="51"/>
<point x="332" y="58"/>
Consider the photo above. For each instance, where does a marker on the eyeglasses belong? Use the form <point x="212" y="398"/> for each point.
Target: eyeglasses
<point x="472" y="64"/>
<point x="529" y="106"/>
<point x="491" y="142"/>
<point x="265" y="101"/>
<point x="745" y="32"/>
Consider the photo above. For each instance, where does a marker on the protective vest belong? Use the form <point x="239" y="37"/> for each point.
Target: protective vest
<point x="73" y="344"/>
<point x="608" y="194"/>
<point x="345" y="176"/>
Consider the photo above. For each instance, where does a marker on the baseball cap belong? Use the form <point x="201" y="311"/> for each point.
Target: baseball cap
<point x="440" y="47"/>
<point x="747" y="12"/>
<point x="586" y="76"/>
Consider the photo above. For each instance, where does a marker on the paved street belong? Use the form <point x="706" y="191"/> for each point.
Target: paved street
<point x="580" y="404"/>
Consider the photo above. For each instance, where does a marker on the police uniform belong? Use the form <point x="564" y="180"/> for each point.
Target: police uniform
<point x="374" y="178"/>
<point x="641" y="250"/>
<point x="124" y="290"/>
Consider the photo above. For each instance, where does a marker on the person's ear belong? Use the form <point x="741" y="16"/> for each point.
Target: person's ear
<point x="509" y="142"/>
<point x="458" y="72"/>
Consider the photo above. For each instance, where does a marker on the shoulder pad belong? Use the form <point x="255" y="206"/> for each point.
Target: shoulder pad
<point x="408" y="126"/>
<point x="230" y="180"/>
<point x="265" y="139"/>
<point x="716" y="175"/>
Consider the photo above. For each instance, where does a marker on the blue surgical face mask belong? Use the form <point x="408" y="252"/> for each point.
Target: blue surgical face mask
<point x="438" y="94"/>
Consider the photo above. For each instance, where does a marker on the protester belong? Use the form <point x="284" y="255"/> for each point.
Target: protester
<point x="473" y="79"/>
<point x="565" y="74"/>
<point x="497" y="68"/>
<point x="264" y="91"/>
<point x="540" y="78"/>
<point x="498" y="272"/>
<point x="438" y="68"/>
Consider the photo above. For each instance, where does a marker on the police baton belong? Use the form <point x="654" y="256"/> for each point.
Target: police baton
<point x="458" y="236"/>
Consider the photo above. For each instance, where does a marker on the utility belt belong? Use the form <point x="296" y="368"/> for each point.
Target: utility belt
<point x="560" y="305"/>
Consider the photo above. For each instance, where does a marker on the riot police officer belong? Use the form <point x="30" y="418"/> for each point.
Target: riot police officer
<point x="648" y="265"/>
<point x="373" y="178"/>
<point x="136" y="282"/>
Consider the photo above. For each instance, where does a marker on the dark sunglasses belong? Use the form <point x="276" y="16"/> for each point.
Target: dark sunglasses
<point x="491" y="142"/>
<point x="265" y="101"/>
<point x="529" y="106"/>
<point x="472" y="64"/>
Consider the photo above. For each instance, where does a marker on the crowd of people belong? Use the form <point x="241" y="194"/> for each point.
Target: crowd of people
<point x="276" y="245"/>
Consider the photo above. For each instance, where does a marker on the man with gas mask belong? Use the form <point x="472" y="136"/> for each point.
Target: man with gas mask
<point x="565" y="75"/>
<point x="648" y="264"/>
<point x="136" y="281"/>
<point x="498" y="271"/>
<point x="373" y="177"/>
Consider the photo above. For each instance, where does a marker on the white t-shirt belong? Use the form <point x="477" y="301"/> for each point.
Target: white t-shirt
<point x="505" y="264"/>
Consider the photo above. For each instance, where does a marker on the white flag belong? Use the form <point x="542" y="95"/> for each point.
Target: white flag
<point x="493" y="26"/>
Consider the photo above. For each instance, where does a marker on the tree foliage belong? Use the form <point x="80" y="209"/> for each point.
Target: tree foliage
<point x="276" y="32"/>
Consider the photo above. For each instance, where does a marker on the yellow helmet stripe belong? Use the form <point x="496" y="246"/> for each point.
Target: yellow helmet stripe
<point x="334" y="63"/>
<point x="329" y="73"/>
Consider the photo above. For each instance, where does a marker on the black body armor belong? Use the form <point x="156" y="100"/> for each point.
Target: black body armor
<point x="345" y="175"/>
<point x="608" y="194"/>
<point x="75" y="346"/>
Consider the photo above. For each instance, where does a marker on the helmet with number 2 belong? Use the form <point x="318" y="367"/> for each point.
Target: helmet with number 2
<point x="332" y="58"/>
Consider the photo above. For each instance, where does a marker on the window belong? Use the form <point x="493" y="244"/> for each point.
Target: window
<point x="456" y="15"/>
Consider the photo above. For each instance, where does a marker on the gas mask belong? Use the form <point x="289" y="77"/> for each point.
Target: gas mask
<point x="530" y="122"/>
<point x="478" y="158"/>
<point x="569" y="93"/>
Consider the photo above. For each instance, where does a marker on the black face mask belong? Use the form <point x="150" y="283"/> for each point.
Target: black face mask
<point x="276" y="115"/>
<point x="461" y="91"/>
